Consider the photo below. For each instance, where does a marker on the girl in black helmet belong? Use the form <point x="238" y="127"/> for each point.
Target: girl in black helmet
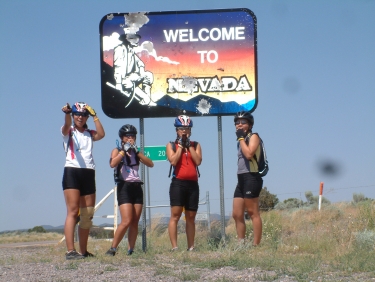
<point x="249" y="185"/>
<point x="184" y="156"/>
<point x="129" y="186"/>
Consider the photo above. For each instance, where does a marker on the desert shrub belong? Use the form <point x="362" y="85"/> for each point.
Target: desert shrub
<point x="100" y="233"/>
<point x="267" y="201"/>
<point x="290" y="203"/>
<point x="272" y="228"/>
<point x="314" y="200"/>
<point x="37" y="229"/>
<point x="365" y="240"/>
<point x="367" y="214"/>
<point x="357" y="198"/>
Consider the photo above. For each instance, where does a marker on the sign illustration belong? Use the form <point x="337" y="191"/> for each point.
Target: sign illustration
<point x="162" y="64"/>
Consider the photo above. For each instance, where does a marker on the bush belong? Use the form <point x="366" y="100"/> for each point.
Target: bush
<point x="357" y="198"/>
<point x="367" y="214"/>
<point x="100" y="233"/>
<point x="314" y="200"/>
<point x="290" y="203"/>
<point x="37" y="229"/>
<point x="267" y="201"/>
<point x="365" y="240"/>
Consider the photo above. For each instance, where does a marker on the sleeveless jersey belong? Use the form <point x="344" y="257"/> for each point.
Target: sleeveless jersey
<point x="186" y="168"/>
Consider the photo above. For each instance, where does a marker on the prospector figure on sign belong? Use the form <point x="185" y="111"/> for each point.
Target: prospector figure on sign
<point x="129" y="70"/>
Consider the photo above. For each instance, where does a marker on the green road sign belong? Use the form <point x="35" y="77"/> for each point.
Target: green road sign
<point x="156" y="153"/>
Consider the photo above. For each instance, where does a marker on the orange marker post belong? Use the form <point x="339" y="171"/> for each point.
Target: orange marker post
<point x="320" y="194"/>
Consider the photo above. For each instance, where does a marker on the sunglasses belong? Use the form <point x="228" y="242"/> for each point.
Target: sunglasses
<point x="81" y="114"/>
<point x="241" y="122"/>
<point x="129" y="135"/>
<point x="183" y="128"/>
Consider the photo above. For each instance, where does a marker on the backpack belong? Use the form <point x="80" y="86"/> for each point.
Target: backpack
<point x="262" y="163"/>
<point x="194" y="143"/>
<point x="70" y="141"/>
<point x="117" y="176"/>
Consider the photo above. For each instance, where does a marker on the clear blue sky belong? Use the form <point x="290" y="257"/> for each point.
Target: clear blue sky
<point x="316" y="70"/>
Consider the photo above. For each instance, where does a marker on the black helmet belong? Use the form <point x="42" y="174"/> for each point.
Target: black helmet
<point x="127" y="128"/>
<point x="245" y="115"/>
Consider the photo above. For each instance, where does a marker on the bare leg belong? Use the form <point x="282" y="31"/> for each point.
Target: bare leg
<point x="190" y="227"/>
<point x="126" y="211"/>
<point x="252" y="206"/>
<point x="85" y="201"/>
<point x="238" y="216"/>
<point x="72" y="208"/>
<point x="133" y="229"/>
<point x="172" y="226"/>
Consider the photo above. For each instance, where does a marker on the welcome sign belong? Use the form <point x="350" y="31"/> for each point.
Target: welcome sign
<point x="163" y="64"/>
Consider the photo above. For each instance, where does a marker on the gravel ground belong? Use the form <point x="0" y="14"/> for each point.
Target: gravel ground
<point x="16" y="264"/>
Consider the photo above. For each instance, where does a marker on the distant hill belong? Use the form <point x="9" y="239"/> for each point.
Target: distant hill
<point x="60" y="228"/>
<point x="48" y="227"/>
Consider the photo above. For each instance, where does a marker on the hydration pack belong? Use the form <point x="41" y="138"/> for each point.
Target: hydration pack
<point x="117" y="176"/>
<point x="260" y="162"/>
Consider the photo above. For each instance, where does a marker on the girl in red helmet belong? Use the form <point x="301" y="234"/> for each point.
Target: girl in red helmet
<point x="79" y="174"/>
<point x="184" y="155"/>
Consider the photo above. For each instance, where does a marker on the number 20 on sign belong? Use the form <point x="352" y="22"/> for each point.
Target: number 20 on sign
<point x="156" y="153"/>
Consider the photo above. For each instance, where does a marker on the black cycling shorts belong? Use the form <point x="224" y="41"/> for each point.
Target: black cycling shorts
<point x="129" y="193"/>
<point x="82" y="179"/>
<point x="184" y="193"/>
<point x="249" y="185"/>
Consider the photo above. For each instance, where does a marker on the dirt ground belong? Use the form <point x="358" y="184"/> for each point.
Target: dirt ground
<point x="37" y="263"/>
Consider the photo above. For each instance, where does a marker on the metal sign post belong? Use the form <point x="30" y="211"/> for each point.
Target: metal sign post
<point x="148" y="197"/>
<point x="221" y="177"/>
<point x="142" y="141"/>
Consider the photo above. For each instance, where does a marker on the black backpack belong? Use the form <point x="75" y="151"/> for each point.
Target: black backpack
<point x="117" y="176"/>
<point x="263" y="166"/>
<point x="194" y="143"/>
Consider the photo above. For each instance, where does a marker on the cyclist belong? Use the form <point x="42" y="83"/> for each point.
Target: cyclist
<point x="249" y="185"/>
<point x="129" y="186"/>
<point x="184" y="155"/>
<point x="79" y="174"/>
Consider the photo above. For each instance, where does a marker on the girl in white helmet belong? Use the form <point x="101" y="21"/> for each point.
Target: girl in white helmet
<point x="79" y="174"/>
<point x="184" y="155"/>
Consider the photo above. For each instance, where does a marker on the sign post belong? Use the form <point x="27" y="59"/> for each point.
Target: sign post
<point x="156" y="154"/>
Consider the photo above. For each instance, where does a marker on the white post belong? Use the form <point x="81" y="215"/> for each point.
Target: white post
<point x="320" y="194"/>
<point x="98" y="205"/>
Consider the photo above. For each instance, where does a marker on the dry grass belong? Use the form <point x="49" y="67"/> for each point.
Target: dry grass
<point x="307" y="244"/>
<point x="19" y="237"/>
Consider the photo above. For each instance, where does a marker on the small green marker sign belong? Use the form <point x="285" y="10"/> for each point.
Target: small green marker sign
<point x="156" y="153"/>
